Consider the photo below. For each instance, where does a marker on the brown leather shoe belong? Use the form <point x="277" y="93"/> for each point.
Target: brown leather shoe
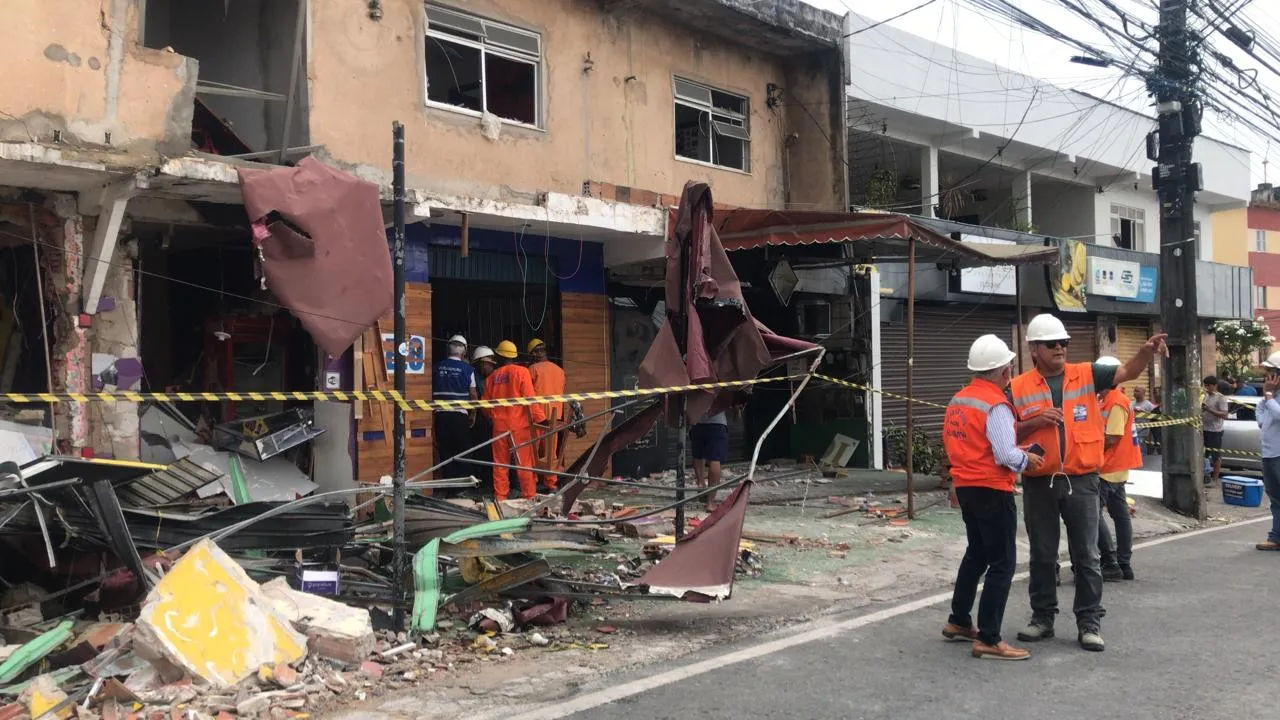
<point x="1002" y="651"/>
<point x="1268" y="545"/>
<point x="955" y="633"/>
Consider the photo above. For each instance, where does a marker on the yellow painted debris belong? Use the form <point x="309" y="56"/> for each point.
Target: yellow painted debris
<point x="209" y="618"/>
<point x="671" y="540"/>
<point x="43" y="695"/>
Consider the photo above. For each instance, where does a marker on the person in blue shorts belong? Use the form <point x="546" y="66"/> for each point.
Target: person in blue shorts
<point x="710" y="441"/>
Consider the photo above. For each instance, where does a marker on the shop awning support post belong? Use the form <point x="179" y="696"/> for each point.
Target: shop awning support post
<point x="909" y="441"/>
<point x="681" y="327"/>
<point x="400" y="557"/>
<point x="1017" y="328"/>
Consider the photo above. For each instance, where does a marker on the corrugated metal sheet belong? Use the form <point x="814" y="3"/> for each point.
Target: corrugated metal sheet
<point x="1131" y="335"/>
<point x="164" y="486"/>
<point x="447" y="262"/>
<point x="1084" y="339"/>
<point x="943" y="336"/>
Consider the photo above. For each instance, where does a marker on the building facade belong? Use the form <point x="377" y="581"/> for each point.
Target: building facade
<point x="986" y="154"/>
<point x="543" y="140"/>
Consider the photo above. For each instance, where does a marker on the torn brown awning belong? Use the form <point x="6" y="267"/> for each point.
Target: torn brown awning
<point x="873" y="235"/>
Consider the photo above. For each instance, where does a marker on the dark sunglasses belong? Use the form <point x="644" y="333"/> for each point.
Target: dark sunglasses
<point x="1052" y="344"/>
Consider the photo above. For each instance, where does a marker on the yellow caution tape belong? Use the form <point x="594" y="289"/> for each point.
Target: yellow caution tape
<point x="372" y="395"/>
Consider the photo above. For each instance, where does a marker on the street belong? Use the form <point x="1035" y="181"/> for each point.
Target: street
<point x="1189" y="639"/>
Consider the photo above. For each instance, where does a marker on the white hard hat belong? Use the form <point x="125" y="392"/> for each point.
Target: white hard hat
<point x="989" y="353"/>
<point x="1272" y="361"/>
<point x="1109" y="361"/>
<point x="482" y="352"/>
<point x="1046" y="327"/>
<point x="457" y="340"/>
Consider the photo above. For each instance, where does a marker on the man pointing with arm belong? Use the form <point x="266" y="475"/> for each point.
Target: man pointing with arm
<point x="1058" y="410"/>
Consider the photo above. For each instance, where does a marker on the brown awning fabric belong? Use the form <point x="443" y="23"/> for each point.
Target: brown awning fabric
<point x="873" y="235"/>
<point x="322" y="248"/>
<point x="700" y="567"/>
<point x="724" y="342"/>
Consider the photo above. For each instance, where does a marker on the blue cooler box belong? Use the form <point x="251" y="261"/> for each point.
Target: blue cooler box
<point x="1243" y="491"/>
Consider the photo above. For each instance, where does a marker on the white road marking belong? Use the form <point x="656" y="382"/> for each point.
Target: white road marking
<point x="820" y="630"/>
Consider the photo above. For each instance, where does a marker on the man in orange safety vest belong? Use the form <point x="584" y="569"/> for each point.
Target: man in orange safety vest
<point x="511" y="381"/>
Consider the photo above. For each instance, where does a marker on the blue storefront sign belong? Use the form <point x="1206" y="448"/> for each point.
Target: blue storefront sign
<point x="1146" y="286"/>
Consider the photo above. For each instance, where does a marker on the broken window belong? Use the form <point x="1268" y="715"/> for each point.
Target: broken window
<point x="480" y="66"/>
<point x="711" y="126"/>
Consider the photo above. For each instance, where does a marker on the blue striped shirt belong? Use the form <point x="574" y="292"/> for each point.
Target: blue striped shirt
<point x="1002" y="433"/>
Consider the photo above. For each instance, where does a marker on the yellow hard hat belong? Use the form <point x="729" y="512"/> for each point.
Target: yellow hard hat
<point x="506" y="349"/>
<point x="534" y="344"/>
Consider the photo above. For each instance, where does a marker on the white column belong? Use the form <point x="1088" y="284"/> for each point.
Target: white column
<point x="928" y="181"/>
<point x="1022" y="200"/>
<point x="874" y="399"/>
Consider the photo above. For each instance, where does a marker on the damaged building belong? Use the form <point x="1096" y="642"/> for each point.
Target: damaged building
<point x="544" y="143"/>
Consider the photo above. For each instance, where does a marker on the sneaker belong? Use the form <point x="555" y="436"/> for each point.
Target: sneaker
<point x="1036" y="631"/>
<point x="955" y="633"/>
<point x="1091" y="640"/>
<point x="1000" y="651"/>
<point x="1268" y="545"/>
<point x="1126" y="572"/>
<point x="1112" y="573"/>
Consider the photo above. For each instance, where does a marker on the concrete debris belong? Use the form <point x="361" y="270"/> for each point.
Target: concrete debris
<point x="207" y="595"/>
<point x="334" y="631"/>
<point x="43" y="698"/>
<point x="538" y="640"/>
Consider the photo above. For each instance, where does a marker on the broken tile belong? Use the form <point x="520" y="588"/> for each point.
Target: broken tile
<point x="208" y="595"/>
<point x="43" y="697"/>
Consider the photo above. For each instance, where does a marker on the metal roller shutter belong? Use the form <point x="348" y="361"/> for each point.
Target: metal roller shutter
<point x="1084" y="340"/>
<point x="1131" y="335"/>
<point x="943" y="336"/>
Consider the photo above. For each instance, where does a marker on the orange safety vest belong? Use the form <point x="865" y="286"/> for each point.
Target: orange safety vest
<point x="1081" y="417"/>
<point x="1126" y="454"/>
<point x="511" y="382"/>
<point x="964" y="436"/>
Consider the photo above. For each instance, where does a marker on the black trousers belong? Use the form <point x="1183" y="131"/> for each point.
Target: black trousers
<point x="453" y="435"/>
<point x="991" y="522"/>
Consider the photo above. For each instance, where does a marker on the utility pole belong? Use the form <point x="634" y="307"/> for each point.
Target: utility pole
<point x="1176" y="180"/>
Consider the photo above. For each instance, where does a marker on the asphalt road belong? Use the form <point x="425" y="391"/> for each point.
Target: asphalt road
<point x="1191" y="638"/>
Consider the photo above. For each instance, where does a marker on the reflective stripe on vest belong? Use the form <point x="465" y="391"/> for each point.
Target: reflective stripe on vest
<point x="964" y="436"/>
<point x="1081" y="417"/>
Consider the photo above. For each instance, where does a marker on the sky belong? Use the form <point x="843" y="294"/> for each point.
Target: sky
<point x="965" y="27"/>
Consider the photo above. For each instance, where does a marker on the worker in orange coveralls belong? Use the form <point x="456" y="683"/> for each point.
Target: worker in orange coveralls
<point x="511" y="381"/>
<point x="548" y="379"/>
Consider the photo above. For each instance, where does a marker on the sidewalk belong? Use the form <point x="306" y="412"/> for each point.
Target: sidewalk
<point x="812" y="566"/>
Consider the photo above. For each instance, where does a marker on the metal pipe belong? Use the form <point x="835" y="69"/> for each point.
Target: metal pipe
<point x="299" y="30"/>
<point x="468" y="451"/>
<point x="557" y="473"/>
<point x="755" y="454"/>
<point x="1017" y="329"/>
<point x="911" y="354"/>
<point x="313" y="499"/>
<point x="44" y="317"/>
<point x="400" y="553"/>
<point x="588" y="418"/>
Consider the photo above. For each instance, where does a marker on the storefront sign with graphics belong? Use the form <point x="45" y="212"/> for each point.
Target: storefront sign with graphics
<point x="999" y="280"/>
<point x="415" y="353"/>
<point x="1146" y="286"/>
<point x="1068" y="279"/>
<point x="1114" y="278"/>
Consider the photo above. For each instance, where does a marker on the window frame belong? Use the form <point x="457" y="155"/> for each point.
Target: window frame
<point x="1260" y="297"/>
<point x="1259" y="240"/>
<point x="712" y="112"/>
<point x="1137" y="217"/>
<point x="443" y="32"/>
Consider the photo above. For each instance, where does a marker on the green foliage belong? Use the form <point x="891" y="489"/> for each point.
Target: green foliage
<point x="927" y="453"/>
<point x="1239" y="342"/>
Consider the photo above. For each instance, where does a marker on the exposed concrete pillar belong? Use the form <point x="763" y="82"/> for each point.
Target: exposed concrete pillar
<point x="114" y="427"/>
<point x="928" y="181"/>
<point x="62" y="265"/>
<point x="1022" y="201"/>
